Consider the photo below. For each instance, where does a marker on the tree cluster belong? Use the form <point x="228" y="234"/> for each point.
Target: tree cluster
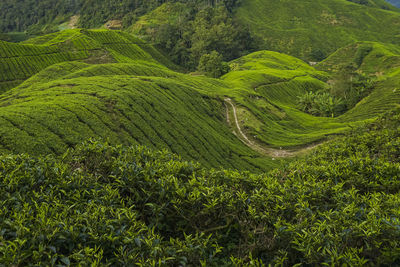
<point x="32" y="14"/>
<point x="320" y="104"/>
<point x="196" y="27"/>
<point x="196" y="30"/>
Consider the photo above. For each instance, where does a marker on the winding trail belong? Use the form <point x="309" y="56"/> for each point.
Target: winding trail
<point x="262" y="149"/>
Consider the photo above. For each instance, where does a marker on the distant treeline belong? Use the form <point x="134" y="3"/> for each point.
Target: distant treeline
<point x="26" y="14"/>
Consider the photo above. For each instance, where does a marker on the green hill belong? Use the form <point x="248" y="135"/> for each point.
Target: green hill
<point x="314" y="29"/>
<point x="21" y="61"/>
<point x="185" y="30"/>
<point x="125" y="103"/>
<point x="376" y="61"/>
<point x="248" y="119"/>
<point x="371" y="58"/>
<point x="281" y="162"/>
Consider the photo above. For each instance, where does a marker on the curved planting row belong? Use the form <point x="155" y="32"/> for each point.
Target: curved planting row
<point x="124" y="108"/>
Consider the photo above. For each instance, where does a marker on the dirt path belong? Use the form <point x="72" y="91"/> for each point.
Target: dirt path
<point x="272" y="152"/>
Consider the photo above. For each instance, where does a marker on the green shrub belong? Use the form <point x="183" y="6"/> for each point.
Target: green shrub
<point x="321" y="104"/>
<point x="212" y="65"/>
<point x="112" y="205"/>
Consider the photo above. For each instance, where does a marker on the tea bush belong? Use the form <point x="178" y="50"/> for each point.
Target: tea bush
<point x="111" y="205"/>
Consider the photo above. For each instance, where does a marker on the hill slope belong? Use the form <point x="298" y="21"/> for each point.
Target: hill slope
<point x="371" y="58"/>
<point x="126" y="103"/>
<point x="141" y="101"/>
<point x="375" y="61"/>
<point x="20" y="61"/>
<point x="117" y="206"/>
<point x="314" y="29"/>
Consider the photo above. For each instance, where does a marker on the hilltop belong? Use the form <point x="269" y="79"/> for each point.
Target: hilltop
<point x="129" y="98"/>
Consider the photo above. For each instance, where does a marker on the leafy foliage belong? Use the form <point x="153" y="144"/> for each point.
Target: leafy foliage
<point x="212" y="65"/>
<point x="105" y="205"/>
<point x="186" y="31"/>
<point x="18" y="16"/>
<point x="351" y="86"/>
<point x="320" y="104"/>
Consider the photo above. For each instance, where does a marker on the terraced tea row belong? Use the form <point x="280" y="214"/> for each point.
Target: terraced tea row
<point x="116" y="206"/>
<point x="314" y="29"/>
<point x="159" y="112"/>
<point x="21" y="61"/>
<point x="144" y="102"/>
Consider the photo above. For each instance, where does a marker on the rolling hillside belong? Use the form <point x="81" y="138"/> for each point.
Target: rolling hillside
<point x="21" y="61"/>
<point x="113" y="155"/>
<point x="378" y="61"/>
<point x="314" y="29"/>
<point x="124" y="103"/>
<point x="371" y="58"/>
<point x="247" y="120"/>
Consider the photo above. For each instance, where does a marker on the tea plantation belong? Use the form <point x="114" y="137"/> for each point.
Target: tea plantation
<point x="21" y="61"/>
<point x="110" y="155"/>
<point x="128" y="96"/>
<point x="104" y="205"/>
<point x="314" y="29"/>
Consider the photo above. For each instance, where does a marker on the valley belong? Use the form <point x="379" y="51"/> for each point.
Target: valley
<point x="89" y="100"/>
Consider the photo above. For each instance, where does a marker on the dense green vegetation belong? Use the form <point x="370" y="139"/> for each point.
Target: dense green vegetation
<point x="105" y="205"/>
<point x="361" y="69"/>
<point x="46" y="15"/>
<point x="21" y="61"/>
<point x="18" y="16"/>
<point x="369" y="58"/>
<point x="212" y="65"/>
<point x="92" y="123"/>
<point x="127" y="103"/>
<point x="134" y="99"/>
<point x="186" y="31"/>
<point x="314" y="29"/>
<point x="320" y="104"/>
